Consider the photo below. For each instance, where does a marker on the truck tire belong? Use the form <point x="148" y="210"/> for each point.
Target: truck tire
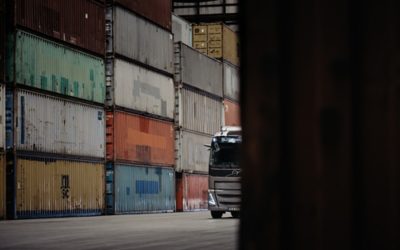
<point x="235" y="214"/>
<point x="216" y="214"/>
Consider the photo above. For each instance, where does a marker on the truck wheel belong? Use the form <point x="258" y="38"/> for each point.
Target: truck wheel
<point x="216" y="214"/>
<point x="235" y="214"/>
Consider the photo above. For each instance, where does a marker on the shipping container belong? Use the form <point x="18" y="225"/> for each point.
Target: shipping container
<point x="141" y="41"/>
<point x="48" y="187"/>
<point x="198" y="112"/>
<point x="54" y="125"/>
<point x="192" y="190"/>
<point x="182" y="30"/>
<point x="217" y="40"/>
<point x="139" y="139"/>
<point x="197" y="70"/>
<point x="232" y="113"/>
<point x="143" y="189"/>
<point x="2" y="118"/>
<point x="43" y="64"/>
<point x="83" y="25"/>
<point x="2" y="186"/>
<point x="158" y="11"/>
<point x="205" y="8"/>
<point x="231" y="82"/>
<point x="143" y="90"/>
<point x="192" y="155"/>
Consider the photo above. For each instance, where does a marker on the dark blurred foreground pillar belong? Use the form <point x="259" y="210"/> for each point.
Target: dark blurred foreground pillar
<point x="321" y="119"/>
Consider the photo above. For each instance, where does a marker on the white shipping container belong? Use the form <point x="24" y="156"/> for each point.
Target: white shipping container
<point x="143" y="90"/>
<point x="2" y="117"/>
<point x="198" y="112"/>
<point x="192" y="154"/>
<point x="54" y="125"/>
<point x="231" y="82"/>
<point x="140" y="40"/>
<point x="182" y="30"/>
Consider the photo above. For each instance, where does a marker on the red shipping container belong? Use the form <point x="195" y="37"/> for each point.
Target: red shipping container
<point x="191" y="192"/>
<point x="232" y="113"/>
<point x="138" y="139"/>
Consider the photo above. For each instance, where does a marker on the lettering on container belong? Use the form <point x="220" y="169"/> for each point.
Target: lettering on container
<point x="65" y="188"/>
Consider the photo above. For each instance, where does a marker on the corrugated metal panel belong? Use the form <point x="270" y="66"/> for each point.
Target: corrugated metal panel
<point x="231" y="82"/>
<point x="195" y="192"/>
<point x="81" y="25"/>
<point x="139" y="139"/>
<point x="143" y="90"/>
<point x="54" y="125"/>
<point x="192" y="154"/>
<point x="199" y="70"/>
<point x="142" y="41"/>
<point x="46" y="65"/>
<point x="182" y="30"/>
<point x="198" y="112"/>
<point x="140" y="189"/>
<point x="2" y="117"/>
<point x="2" y="186"/>
<point x="49" y="188"/>
<point x="232" y="113"/>
<point x="159" y="11"/>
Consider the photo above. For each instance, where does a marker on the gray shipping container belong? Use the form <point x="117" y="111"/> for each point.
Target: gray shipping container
<point x="192" y="154"/>
<point x="143" y="90"/>
<point x="140" y="40"/>
<point x="182" y="30"/>
<point x="231" y="82"/>
<point x="198" y="70"/>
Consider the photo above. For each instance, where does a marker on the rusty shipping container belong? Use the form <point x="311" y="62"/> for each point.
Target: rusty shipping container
<point x="217" y="40"/>
<point x="158" y="11"/>
<point x="197" y="70"/>
<point x="139" y="139"/>
<point x="2" y="186"/>
<point x="83" y="25"/>
<point x="52" y="188"/>
<point x="54" y="125"/>
<point x="143" y="90"/>
<point x="191" y="153"/>
<point x="232" y="113"/>
<point x="46" y="65"/>
<point x="231" y="81"/>
<point x="191" y="192"/>
<point x="182" y="30"/>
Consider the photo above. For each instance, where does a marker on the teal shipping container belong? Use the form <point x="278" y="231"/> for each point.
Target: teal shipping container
<point x="142" y="189"/>
<point x="43" y="64"/>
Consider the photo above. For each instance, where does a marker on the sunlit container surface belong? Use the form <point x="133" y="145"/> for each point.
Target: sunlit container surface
<point x="198" y="112"/>
<point x="51" y="188"/>
<point x="2" y="117"/>
<point x="198" y="70"/>
<point x="194" y="192"/>
<point x="182" y="30"/>
<point x="231" y="82"/>
<point x="143" y="90"/>
<point x="232" y="113"/>
<point x="139" y="139"/>
<point x="140" y="40"/>
<point x="192" y="154"/>
<point x="2" y="186"/>
<point x="140" y="189"/>
<point x="78" y="22"/>
<point x="46" y="65"/>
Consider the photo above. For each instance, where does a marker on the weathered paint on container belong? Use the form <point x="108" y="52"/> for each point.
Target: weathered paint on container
<point x="194" y="196"/>
<point x="198" y="112"/>
<point x="158" y="11"/>
<point x="143" y="90"/>
<point x="2" y="118"/>
<point x="43" y="64"/>
<point x="220" y="41"/>
<point x="51" y="188"/>
<point x="231" y="82"/>
<point x="81" y="25"/>
<point x="182" y="30"/>
<point x="197" y="70"/>
<point x="54" y="125"/>
<point x="2" y="186"/>
<point x="232" y="113"/>
<point x="141" y="189"/>
<point x="139" y="139"/>
<point x="142" y="41"/>
<point x="192" y="154"/>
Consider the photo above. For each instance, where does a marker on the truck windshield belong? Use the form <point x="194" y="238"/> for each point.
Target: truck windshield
<point x="225" y="154"/>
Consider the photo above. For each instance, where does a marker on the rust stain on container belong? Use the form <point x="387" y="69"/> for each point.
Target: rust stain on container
<point x="133" y="138"/>
<point x="232" y="113"/>
<point x="192" y="191"/>
<point x="82" y="25"/>
<point x="158" y="11"/>
<point x="2" y="186"/>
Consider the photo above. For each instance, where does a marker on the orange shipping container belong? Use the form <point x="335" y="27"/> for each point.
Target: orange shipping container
<point x="232" y="113"/>
<point x="137" y="139"/>
<point x="191" y="192"/>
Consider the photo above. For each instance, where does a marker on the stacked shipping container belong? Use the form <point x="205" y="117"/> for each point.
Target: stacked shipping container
<point x="2" y="152"/>
<point x="140" y="103"/>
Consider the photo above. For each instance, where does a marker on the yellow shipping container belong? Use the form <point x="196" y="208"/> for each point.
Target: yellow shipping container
<point x="217" y="41"/>
<point x="51" y="188"/>
<point x="2" y="186"/>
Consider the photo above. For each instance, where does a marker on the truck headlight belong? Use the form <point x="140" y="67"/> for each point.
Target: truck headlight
<point x="211" y="200"/>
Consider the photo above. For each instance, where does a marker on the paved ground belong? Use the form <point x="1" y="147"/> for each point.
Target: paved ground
<point x="155" y="231"/>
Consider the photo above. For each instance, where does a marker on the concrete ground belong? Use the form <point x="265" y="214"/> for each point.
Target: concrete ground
<point x="195" y="230"/>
